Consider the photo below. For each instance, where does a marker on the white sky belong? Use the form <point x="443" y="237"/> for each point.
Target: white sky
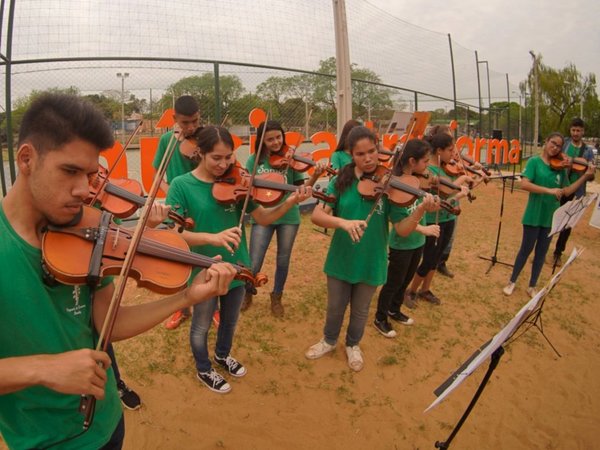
<point x="503" y="31"/>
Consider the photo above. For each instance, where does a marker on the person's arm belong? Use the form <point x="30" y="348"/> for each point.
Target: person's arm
<point x="409" y="224"/>
<point x="317" y="172"/>
<point x="133" y="320"/>
<point x="229" y="238"/>
<point x="265" y="216"/>
<point x="588" y="175"/>
<point x="322" y="216"/>
<point x="76" y="372"/>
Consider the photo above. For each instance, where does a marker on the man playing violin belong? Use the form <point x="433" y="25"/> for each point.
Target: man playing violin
<point x="47" y="365"/>
<point x="573" y="148"/>
<point x="187" y="121"/>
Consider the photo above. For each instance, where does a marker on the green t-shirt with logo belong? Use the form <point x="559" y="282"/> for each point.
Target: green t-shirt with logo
<point x="339" y="159"/>
<point x="541" y="207"/>
<point x="365" y="261"/>
<point x="415" y="239"/>
<point x="38" y="319"/>
<point x="292" y="217"/>
<point x="193" y="198"/>
<point x="442" y="215"/>
<point x="178" y="165"/>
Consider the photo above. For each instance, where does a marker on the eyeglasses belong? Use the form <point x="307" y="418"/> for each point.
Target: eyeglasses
<point x="556" y="144"/>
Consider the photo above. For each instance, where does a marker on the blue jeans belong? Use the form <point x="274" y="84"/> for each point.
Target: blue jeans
<point x="260" y="238"/>
<point x="339" y="295"/>
<point x="532" y="236"/>
<point x="229" y="306"/>
<point x="117" y="438"/>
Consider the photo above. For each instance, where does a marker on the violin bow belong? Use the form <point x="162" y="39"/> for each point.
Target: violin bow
<point x="119" y="156"/>
<point x="395" y="159"/>
<point x="88" y="405"/>
<point x="253" y="174"/>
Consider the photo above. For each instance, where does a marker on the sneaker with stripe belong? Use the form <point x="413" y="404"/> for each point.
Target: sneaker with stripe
<point x="233" y="366"/>
<point x="214" y="381"/>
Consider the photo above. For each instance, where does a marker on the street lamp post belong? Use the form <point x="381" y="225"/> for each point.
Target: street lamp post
<point x="122" y="76"/>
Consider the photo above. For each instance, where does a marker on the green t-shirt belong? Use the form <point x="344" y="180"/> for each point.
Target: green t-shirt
<point x="339" y="159"/>
<point x="365" y="261"/>
<point x="38" y="319"/>
<point x="193" y="198"/>
<point x="541" y="207"/>
<point x="292" y="217"/>
<point x="178" y="165"/>
<point x="415" y="239"/>
<point x="442" y="215"/>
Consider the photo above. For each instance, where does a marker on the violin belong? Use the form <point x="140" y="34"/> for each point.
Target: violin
<point x="428" y="182"/>
<point x="287" y="157"/>
<point x="122" y="197"/>
<point x="401" y="190"/>
<point x="188" y="145"/>
<point x="163" y="262"/>
<point x="268" y="189"/>
<point x="562" y="161"/>
<point x="470" y="162"/>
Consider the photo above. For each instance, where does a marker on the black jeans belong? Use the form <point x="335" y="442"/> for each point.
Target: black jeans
<point x="401" y="269"/>
<point x="563" y="236"/>
<point x="434" y="247"/>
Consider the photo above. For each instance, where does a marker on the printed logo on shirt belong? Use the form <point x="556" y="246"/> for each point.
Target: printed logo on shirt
<point x="231" y="208"/>
<point x="262" y="170"/>
<point x="379" y="209"/>
<point x="558" y="180"/>
<point x="412" y="208"/>
<point x="77" y="309"/>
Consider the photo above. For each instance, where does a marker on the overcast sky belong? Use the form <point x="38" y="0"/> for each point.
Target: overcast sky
<point x="503" y="31"/>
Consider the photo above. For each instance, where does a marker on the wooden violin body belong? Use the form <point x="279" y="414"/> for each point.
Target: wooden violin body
<point x="163" y="262"/>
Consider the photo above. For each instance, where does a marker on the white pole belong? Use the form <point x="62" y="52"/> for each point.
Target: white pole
<point x="342" y="60"/>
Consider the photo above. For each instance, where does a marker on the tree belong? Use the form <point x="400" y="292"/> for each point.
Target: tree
<point x="202" y="88"/>
<point x="561" y="95"/>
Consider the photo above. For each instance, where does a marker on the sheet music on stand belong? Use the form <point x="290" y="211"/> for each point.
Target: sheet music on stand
<point x="486" y="350"/>
<point x="569" y="214"/>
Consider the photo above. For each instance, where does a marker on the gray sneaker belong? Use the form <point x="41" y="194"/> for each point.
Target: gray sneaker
<point x="410" y="299"/>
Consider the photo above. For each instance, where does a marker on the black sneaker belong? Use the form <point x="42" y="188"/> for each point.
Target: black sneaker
<point x="384" y="327"/>
<point x="128" y="397"/>
<point x="443" y="269"/>
<point x="214" y="381"/>
<point x="232" y="365"/>
<point x="429" y="297"/>
<point x="400" y="317"/>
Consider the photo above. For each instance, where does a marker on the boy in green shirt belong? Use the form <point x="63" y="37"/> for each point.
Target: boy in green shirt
<point x="46" y="367"/>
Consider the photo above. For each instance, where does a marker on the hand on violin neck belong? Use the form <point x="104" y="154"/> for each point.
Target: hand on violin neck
<point x="430" y="203"/>
<point x="158" y="213"/>
<point x="210" y="283"/>
<point x="355" y="228"/>
<point x="302" y="193"/>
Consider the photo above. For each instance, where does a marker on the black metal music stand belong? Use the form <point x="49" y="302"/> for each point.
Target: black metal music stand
<point x="494" y="258"/>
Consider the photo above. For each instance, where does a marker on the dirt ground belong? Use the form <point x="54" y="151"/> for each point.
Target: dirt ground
<point x="535" y="399"/>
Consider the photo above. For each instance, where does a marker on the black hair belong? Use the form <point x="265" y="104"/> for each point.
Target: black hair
<point x="263" y="128"/>
<point x="556" y="134"/>
<point x="186" y="105"/>
<point x="346" y="175"/>
<point x="440" y="141"/>
<point x="415" y="148"/>
<point x="209" y="136"/>
<point x="54" y="120"/>
<point x="342" y="144"/>
<point x="577" y="122"/>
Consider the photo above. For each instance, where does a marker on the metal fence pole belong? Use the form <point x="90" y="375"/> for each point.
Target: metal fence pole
<point x="217" y="94"/>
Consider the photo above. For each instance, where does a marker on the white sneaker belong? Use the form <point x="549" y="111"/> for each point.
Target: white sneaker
<point x="319" y="349"/>
<point x="355" y="358"/>
<point x="509" y="288"/>
<point x="531" y="291"/>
